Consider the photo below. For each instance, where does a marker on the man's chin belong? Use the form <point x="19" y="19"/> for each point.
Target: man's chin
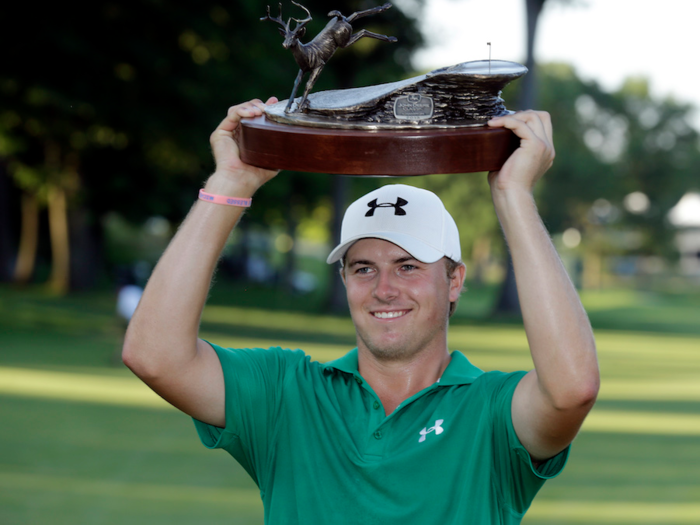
<point x="390" y="351"/>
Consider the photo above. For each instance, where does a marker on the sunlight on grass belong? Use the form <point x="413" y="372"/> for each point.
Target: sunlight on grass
<point x="229" y="496"/>
<point x="653" y="390"/>
<point x="633" y="346"/>
<point x="121" y="391"/>
<point x="293" y="322"/>
<point x="631" y="422"/>
<point x="131" y="392"/>
<point x="609" y="299"/>
<point x="631" y="512"/>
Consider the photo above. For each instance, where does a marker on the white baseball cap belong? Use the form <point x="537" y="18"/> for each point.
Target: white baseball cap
<point x="412" y="218"/>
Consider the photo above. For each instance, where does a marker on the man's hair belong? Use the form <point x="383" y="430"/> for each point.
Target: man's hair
<point x="450" y="266"/>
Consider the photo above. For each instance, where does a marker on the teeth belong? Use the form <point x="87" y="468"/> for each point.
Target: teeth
<point x="388" y="315"/>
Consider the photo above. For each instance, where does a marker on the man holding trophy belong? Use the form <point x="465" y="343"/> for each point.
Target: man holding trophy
<point x="400" y="430"/>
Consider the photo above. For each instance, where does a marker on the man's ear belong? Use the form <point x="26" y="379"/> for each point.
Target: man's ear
<point x="342" y="276"/>
<point x="457" y="281"/>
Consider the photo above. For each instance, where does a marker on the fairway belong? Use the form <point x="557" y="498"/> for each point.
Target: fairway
<point x="83" y="441"/>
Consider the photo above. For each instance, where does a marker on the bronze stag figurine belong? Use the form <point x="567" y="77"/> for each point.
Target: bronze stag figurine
<point x="314" y="55"/>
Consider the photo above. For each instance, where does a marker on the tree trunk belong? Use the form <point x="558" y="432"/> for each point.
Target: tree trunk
<point x="86" y="263"/>
<point x="528" y="96"/>
<point x="28" y="240"/>
<point x="508" y="302"/>
<point x="481" y="253"/>
<point x="290" y="263"/>
<point x="6" y="251"/>
<point x="59" y="280"/>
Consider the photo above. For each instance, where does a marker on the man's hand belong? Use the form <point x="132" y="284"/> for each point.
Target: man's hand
<point x="532" y="159"/>
<point x="225" y="148"/>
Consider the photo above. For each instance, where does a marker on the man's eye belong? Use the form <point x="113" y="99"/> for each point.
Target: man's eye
<point x="363" y="269"/>
<point x="408" y="267"/>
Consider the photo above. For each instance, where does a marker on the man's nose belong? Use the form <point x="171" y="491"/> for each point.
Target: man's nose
<point x="385" y="288"/>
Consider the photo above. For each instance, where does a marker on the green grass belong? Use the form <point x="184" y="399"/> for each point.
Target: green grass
<point x="83" y="442"/>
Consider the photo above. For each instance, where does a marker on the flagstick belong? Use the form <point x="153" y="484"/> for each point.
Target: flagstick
<point x="489" y="44"/>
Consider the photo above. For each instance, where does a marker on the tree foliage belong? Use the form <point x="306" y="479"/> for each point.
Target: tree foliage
<point x="111" y="103"/>
<point x="611" y="145"/>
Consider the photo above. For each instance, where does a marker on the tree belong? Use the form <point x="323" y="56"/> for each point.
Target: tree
<point x="611" y="146"/>
<point x="108" y="106"/>
<point x="508" y="302"/>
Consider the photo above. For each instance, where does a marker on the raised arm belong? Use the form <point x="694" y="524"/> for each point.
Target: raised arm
<point x="550" y="402"/>
<point x="161" y="344"/>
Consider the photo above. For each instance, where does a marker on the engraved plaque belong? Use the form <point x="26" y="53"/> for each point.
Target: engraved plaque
<point x="413" y="107"/>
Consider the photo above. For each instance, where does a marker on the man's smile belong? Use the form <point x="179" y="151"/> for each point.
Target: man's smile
<point x="390" y="315"/>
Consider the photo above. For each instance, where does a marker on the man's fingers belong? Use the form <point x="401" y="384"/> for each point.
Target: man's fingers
<point x="252" y="108"/>
<point x="528" y="125"/>
<point x="524" y="124"/>
<point x="539" y="121"/>
<point x="534" y="120"/>
<point x="547" y="122"/>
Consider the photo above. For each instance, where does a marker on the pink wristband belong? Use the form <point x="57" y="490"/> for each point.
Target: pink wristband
<point x="221" y="199"/>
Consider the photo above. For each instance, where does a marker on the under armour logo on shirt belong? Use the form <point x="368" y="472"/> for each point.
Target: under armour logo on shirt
<point x="437" y="429"/>
<point x="398" y="210"/>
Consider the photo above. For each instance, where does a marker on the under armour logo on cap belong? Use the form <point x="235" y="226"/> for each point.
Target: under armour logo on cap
<point x="437" y="429"/>
<point x="398" y="210"/>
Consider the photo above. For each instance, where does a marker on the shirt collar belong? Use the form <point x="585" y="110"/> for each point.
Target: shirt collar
<point x="347" y="363"/>
<point x="458" y="372"/>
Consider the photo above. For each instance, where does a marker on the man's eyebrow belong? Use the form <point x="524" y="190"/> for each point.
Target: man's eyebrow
<point x="364" y="262"/>
<point x="355" y="262"/>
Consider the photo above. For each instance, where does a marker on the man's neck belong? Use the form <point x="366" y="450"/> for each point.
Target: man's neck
<point x="396" y="380"/>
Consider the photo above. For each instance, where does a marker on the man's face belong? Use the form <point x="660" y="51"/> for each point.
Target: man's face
<point x="398" y="304"/>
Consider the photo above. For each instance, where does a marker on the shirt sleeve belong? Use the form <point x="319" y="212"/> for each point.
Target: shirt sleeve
<point x="520" y="480"/>
<point x="254" y="380"/>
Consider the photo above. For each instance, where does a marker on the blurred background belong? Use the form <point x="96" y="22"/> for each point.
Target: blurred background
<point x="105" y="114"/>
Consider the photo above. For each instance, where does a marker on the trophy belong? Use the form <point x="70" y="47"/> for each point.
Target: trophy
<point x="431" y="123"/>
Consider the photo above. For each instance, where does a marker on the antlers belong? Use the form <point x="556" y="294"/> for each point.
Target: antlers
<point x="278" y="19"/>
<point x="300" y="23"/>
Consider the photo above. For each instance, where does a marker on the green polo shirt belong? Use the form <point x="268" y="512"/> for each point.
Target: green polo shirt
<point x="315" y="439"/>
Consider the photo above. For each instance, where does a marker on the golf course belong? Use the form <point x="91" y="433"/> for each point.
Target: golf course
<point x="82" y="441"/>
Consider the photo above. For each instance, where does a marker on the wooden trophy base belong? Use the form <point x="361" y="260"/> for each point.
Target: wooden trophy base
<point x="396" y="153"/>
